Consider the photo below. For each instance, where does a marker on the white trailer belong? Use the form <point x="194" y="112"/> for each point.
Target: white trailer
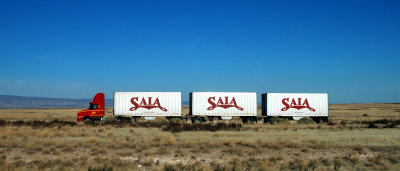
<point x="148" y="104"/>
<point x="296" y="105"/>
<point x="223" y="105"/>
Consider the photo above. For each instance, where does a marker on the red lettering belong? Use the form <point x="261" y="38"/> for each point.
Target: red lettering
<point x="135" y="105"/>
<point x="295" y="105"/>
<point x="144" y="104"/>
<point x="233" y="101"/>
<point x="220" y="102"/>
<point x="285" y="102"/>
<point x="306" y="103"/>
<point x="223" y="104"/>
<point x="156" y="103"/>
<point x="213" y="105"/>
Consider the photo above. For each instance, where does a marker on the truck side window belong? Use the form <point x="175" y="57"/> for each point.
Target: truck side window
<point x="93" y="106"/>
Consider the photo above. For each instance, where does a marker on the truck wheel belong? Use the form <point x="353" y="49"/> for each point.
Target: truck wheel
<point x="85" y="119"/>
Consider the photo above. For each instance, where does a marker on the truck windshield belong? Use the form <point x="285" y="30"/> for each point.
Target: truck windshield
<point x="93" y="106"/>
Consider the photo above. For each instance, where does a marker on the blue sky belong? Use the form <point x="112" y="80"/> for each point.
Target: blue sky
<point x="73" y="49"/>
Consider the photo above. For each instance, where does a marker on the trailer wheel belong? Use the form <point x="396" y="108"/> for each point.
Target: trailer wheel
<point x="124" y="119"/>
<point x="211" y="118"/>
<point x="251" y="120"/>
<point x="323" y="119"/>
<point x="197" y="120"/>
<point x="320" y="120"/>
<point x="266" y="120"/>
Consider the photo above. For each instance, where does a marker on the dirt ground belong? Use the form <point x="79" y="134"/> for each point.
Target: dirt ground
<point x="357" y="137"/>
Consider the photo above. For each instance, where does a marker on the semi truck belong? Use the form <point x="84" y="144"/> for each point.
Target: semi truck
<point x="96" y="110"/>
<point x="206" y="106"/>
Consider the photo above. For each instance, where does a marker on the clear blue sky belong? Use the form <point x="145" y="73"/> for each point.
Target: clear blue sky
<point x="73" y="49"/>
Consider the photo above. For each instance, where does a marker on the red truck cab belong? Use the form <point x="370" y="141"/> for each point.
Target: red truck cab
<point x="96" y="110"/>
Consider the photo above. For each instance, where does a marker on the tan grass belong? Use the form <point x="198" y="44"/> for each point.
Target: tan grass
<point x="254" y="147"/>
<point x="91" y="140"/>
<point x="170" y="141"/>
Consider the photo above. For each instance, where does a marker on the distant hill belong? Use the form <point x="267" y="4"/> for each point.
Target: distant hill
<point x="18" y="102"/>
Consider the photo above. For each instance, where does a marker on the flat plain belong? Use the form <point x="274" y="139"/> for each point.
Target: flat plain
<point x="357" y="137"/>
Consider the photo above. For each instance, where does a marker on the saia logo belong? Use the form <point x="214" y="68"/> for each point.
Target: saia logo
<point x="221" y="103"/>
<point x="296" y="105"/>
<point x="146" y="104"/>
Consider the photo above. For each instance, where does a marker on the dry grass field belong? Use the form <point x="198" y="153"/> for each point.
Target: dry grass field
<point x="356" y="138"/>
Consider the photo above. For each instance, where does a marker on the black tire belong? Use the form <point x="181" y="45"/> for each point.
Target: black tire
<point x="251" y="119"/>
<point x="197" y="120"/>
<point x="211" y="118"/>
<point x="266" y="120"/>
<point x="124" y="119"/>
<point x="85" y="119"/>
<point x="321" y="119"/>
